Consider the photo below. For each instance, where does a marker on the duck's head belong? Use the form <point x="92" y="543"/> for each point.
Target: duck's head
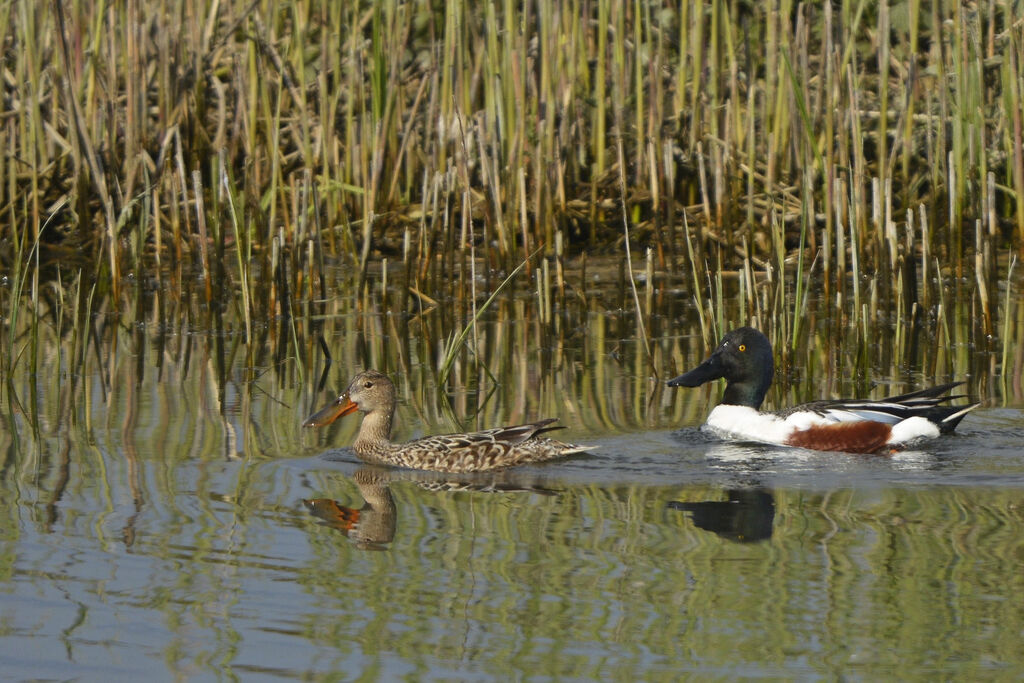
<point x="369" y="391"/>
<point x="744" y="360"/>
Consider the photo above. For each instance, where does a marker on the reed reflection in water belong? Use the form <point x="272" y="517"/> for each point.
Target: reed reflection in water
<point x="155" y="474"/>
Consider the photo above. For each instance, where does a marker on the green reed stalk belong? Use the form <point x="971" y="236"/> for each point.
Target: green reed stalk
<point x="839" y="198"/>
<point x="856" y="245"/>
<point x="941" y="312"/>
<point x="243" y="249"/>
<point x="638" y="82"/>
<point x="89" y="156"/>
<point x="958" y="161"/>
<point x="693" y="261"/>
<point x="460" y="338"/>
<point x="600" y="96"/>
<point x="882" y="144"/>
<point x="914" y="14"/>
<point x="719" y="308"/>
<point x="74" y="354"/>
<point x="1006" y="321"/>
<point x="641" y="328"/>
<point x="696" y="43"/>
<point x="1013" y="89"/>
<point x="979" y="275"/>
<point x="28" y="74"/>
<point x="372" y="119"/>
<point x="808" y="185"/>
<point x="649" y="283"/>
<point x="924" y="289"/>
<point x="715" y="69"/>
<point x="805" y="117"/>
<point x="830" y="98"/>
<point x="900" y="313"/>
<point x="291" y="317"/>
<point x="18" y="280"/>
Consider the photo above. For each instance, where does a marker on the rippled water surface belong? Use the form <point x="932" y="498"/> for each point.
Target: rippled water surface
<point x="169" y="515"/>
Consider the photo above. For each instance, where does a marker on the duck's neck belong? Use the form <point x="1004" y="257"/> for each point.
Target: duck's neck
<point x="378" y="497"/>
<point x="374" y="432"/>
<point x="744" y="394"/>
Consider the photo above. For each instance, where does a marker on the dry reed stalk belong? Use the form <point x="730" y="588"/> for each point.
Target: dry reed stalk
<point x="417" y="107"/>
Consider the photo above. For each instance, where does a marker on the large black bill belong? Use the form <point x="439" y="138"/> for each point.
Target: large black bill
<point x="705" y="372"/>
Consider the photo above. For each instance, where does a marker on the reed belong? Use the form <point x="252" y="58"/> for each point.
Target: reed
<point x="1007" y="316"/>
<point x="260" y="148"/>
<point x="459" y="338"/>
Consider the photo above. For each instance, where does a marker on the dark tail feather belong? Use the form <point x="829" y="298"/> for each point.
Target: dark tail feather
<point x="947" y="418"/>
<point x="543" y="426"/>
<point x="520" y="433"/>
<point x="952" y="417"/>
<point x="929" y="392"/>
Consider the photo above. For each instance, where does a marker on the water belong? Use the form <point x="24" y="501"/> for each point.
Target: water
<point x="157" y="523"/>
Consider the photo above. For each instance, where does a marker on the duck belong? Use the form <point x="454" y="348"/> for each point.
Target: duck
<point x="373" y="394"/>
<point x="744" y="359"/>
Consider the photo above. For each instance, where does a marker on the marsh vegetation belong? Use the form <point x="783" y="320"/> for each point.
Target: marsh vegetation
<point x="516" y="210"/>
<point x="167" y="160"/>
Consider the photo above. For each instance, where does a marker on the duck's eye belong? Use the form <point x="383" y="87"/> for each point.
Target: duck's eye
<point x="367" y="385"/>
<point x="743" y="347"/>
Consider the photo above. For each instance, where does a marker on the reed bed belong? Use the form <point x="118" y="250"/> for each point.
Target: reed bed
<point x="216" y="387"/>
<point x="219" y="158"/>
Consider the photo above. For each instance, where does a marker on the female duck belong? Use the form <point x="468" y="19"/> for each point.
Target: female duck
<point x="373" y="394"/>
<point x="744" y="360"/>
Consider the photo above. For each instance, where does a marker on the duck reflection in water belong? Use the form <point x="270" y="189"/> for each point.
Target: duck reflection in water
<point x="372" y="526"/>
<point x="746" y="517"/>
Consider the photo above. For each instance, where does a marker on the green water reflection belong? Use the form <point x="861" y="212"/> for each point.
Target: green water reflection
<point x="591" y="582"/>
<point x="155" y="482"/>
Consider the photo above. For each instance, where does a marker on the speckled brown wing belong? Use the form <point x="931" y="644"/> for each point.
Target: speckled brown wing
<point x="373" y="394"/>
<point x="481" y="451"/>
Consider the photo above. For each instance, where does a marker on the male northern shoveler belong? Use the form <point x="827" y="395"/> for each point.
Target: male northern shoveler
<point x="373" y="394"/>
<point x="744" y="360"/>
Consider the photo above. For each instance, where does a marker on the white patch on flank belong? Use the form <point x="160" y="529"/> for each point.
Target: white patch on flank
<point x="746" y="423"/>
<point x="805" y="419"/>
<point x="741" y="422"/>
<point x="912" y="429"/>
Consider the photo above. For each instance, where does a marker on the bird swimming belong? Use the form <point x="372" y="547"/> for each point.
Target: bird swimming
<point x="744" y="360"/>
<point x="373" y="394"/>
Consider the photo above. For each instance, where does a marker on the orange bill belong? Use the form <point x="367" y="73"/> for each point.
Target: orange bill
<point x="335" y="514"/>
<point x="338" y="408"/>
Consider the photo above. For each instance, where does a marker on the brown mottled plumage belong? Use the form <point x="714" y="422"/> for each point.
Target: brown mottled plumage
<point x="373" y="394"/>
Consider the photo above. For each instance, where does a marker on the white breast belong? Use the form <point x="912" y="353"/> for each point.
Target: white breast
<point x="749" y="424"/>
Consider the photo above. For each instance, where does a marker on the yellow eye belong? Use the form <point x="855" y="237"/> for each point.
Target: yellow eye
<point x="743" y="347"/>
